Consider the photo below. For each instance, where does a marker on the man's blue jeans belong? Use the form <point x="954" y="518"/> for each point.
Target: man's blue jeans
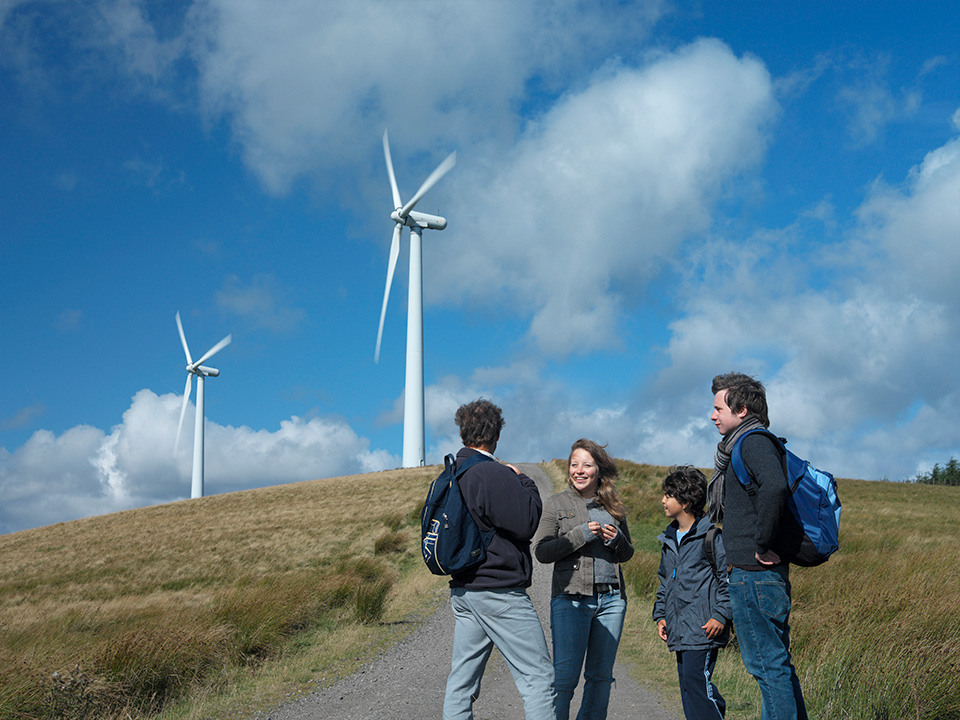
<point x="588" y="627"/>
<point x="760" y="605"/>
<point x="505" y="618"/>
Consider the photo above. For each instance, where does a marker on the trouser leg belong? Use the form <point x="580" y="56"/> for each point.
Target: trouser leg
<point x="471" y="650"/>
<point x="508" y="618"/>
<point x="701" y="699"/>
<point x="760" y="605"/>
<point x="605" y="629"/>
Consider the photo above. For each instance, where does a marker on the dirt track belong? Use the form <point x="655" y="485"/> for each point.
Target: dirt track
<point x="407" y="681"/>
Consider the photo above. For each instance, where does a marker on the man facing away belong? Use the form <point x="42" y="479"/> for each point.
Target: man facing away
<point x="490" y="603"/>
<point x="759" y="579"/>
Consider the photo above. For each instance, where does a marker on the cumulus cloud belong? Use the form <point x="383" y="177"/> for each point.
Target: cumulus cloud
<point x="87" y="472"/>
<point x="863" y="361"/>
<point x="299" y="95"/>
<point x="576" y="187"/>
<point x="602" y="190"/>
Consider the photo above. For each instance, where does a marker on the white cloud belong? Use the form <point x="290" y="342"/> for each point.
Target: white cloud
<point x="918" y="228"/>
<point x="602" y="190"/>
<point x="306" y="86"/>
<point x="854" y="367"/>
<point x="86" y="472"/>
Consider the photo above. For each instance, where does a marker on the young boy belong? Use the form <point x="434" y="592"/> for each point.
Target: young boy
<point x="692" y="609"/>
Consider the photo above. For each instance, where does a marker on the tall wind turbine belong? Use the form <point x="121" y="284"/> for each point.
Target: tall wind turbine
<point x="201" y="371"/>
<point x="403" y="215"/>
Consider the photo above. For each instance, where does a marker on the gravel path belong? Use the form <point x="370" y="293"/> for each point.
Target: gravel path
<point x="407" y="681"/>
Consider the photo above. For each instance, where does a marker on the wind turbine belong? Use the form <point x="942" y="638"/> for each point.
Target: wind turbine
<point x="403" y="215"/>
<point x="201" y="371"/>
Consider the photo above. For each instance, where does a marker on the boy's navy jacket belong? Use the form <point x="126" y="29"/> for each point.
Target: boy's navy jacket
<point x="690" y="591"/>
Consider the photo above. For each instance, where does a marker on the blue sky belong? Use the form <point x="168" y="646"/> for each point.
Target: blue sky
<point x="646" y="194"/>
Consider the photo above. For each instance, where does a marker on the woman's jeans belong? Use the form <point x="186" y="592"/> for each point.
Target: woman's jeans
<point x="585" y="627"/>
<point x="760" y="605"/>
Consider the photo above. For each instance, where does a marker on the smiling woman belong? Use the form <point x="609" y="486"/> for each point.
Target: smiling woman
<point x="583" y="532"/>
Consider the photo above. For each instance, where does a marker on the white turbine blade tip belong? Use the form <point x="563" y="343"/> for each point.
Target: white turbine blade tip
<point x="215" y="349"/>
<point x="442" y="169"/>
<point x="183" y="339"/>
<point x="183" y="410"/>
<point x="391" y="268"/>
<point x="394" y="190"/>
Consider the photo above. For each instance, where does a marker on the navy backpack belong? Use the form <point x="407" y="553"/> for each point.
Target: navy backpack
<point x="451" y="540"/>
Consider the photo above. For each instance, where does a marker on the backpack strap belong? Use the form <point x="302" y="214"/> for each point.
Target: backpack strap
<point x="736" y="458"/>
<point x="710" y="549"/>
<point x="469" y="462"/>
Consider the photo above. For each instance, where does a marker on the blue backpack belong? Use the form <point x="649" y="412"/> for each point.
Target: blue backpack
<point x="451" y="540"/>
<point x="810" y="530"/>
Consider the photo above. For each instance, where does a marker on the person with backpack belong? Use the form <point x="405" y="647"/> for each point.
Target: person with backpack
<point x="692" y="606"/>
<point x="759" y="579"/>
<point x="489" y="600"/>
<point x="583" y="532"/>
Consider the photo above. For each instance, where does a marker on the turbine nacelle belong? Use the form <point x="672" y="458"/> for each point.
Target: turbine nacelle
<point x="419" y="219"/>
<point x="203" y="370"/>
<point x="405" y="216"/>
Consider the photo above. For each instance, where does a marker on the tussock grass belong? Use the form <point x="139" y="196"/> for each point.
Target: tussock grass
<point x="873" y="631"/>
<point x="221" y="606"/>
<point x="128" y="614"/>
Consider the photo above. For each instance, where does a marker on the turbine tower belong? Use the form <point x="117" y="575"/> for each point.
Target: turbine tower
<point x="201" y="371"/>
<point x="414" y="453"/>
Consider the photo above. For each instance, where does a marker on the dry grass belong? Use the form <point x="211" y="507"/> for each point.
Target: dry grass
<point x="874" y="631"/>
<point x="127" y="613"/>
<point x="218" y="607"/>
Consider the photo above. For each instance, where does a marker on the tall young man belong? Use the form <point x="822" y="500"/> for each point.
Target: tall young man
<point x="490" y="602"/>
<point x="759" y="579"/>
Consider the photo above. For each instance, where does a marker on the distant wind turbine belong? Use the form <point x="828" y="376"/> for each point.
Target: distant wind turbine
<point x="201" y="371"/>
<point x="403" y="215"/>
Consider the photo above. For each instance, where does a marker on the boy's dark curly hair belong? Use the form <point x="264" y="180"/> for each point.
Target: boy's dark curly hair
<point x="480" y="423"/>
<point x="688" y="486"/>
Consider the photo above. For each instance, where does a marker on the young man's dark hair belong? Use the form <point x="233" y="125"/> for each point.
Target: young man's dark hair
<point x="743" y="392"/>
<point x="480" y="423"/>
<point x="688" y="486"/>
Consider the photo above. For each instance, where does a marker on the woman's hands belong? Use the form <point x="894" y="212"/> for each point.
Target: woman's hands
<point x="604" y="532"/>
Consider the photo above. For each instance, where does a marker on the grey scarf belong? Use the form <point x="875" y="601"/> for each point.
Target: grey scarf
<point x="716" y="490"/>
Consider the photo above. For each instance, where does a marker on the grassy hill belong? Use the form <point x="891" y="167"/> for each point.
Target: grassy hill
<point x="215" y="607"/>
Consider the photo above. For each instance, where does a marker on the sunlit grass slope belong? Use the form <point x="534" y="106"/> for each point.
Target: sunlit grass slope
<point x="875" y="631"/>
<point x="213" y="608"/>
<point x="128" y="613"/>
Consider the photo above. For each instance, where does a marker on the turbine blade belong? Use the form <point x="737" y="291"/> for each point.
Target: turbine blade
<point x="183" y="339"/>
<point x="393" y="178"/>
<point x="183" y="411"/>
<point x="391" y="266"/>
<point x="442" y="169"/>
<point x="214" y="350"/>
